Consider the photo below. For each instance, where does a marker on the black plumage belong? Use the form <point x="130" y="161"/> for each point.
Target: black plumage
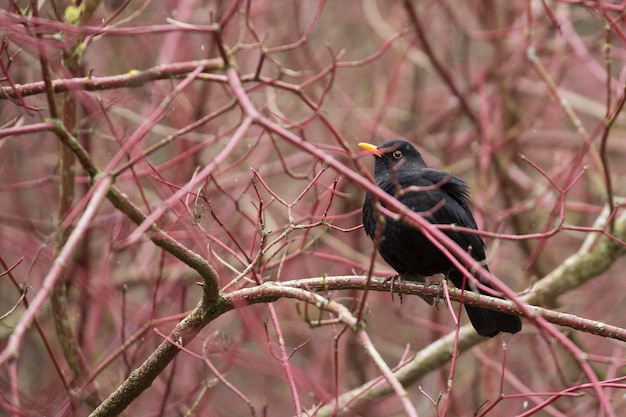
<point x="442" y="198"/>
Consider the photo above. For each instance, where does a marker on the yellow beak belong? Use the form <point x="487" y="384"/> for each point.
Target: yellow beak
<point x="371" y="148"/>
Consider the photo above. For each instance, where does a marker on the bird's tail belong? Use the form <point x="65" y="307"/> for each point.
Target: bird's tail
<point x="487" y="323"/>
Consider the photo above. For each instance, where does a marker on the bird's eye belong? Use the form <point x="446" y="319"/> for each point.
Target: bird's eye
<point x="397" y="154"/>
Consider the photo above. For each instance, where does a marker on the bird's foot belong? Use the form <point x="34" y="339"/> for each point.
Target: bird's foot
<point x="437" y="298"/>
<point x="392" y="279"/>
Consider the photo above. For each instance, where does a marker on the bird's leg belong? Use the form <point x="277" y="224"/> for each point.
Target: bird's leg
<point x="392" y="279"/>
<point x="437" y="298"/>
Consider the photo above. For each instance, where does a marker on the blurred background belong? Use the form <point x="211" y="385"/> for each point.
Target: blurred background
<point x="520" y="99"/>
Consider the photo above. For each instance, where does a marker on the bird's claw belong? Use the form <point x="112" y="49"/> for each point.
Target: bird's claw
<point x="392" y="279"/>
<point x="437" y="298"/>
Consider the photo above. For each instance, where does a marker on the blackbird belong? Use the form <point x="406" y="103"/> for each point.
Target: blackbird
<point x="441" y="198"/>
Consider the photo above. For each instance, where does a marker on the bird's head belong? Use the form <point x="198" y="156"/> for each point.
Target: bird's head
<point x="395" y="156"/>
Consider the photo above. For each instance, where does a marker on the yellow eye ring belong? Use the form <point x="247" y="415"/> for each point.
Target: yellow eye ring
<point x="397" y="154"/>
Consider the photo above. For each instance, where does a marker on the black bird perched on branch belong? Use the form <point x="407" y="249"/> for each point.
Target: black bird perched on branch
<point x="443" y="199"/>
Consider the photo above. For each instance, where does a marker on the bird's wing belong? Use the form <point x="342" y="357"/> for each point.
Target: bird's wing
<point x="451" y="185"/>
<point x="441" y="187"/>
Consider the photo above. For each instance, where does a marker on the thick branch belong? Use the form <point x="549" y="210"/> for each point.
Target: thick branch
<point x="133" y="78"/>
